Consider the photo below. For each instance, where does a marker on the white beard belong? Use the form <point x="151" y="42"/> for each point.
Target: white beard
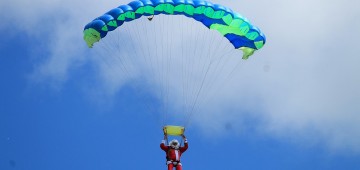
<point x="175" y="147"/>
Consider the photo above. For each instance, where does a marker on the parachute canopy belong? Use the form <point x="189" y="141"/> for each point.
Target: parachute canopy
<point x="237" y="29"/>
<point x="174" y="130"/>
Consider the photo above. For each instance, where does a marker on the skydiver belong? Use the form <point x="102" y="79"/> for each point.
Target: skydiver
<point x="174" y="152"/>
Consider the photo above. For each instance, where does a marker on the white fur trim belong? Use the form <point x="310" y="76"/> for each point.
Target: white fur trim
<point x="177" y="155"/>
<point x="186" y="141"/>
<point x="174" y="163"/>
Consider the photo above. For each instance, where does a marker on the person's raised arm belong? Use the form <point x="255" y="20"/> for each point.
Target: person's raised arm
<point x="183" y="149"/>
<point x="162" y="145"/>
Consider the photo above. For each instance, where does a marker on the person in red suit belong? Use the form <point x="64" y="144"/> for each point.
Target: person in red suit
<point x="174" y="152"/>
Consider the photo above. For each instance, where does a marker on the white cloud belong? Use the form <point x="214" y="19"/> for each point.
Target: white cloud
<point x="303" y="85"/>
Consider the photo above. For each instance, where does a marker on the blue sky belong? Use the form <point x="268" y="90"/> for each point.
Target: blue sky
<point x="293" y="105"/>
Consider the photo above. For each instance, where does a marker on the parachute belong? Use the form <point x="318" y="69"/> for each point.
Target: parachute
<point x="231" y="25"/>
<point x="187" y="66"/>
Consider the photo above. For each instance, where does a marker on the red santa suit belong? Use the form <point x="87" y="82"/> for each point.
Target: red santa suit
<point x="173" y="155"/>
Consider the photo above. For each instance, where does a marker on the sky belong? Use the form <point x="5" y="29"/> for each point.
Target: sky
<point x="293" y="105"/>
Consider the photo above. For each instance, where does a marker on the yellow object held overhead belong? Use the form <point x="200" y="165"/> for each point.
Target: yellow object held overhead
<point x="174" y="130"/>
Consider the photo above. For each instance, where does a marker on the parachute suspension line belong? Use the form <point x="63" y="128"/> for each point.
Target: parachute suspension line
<point x="215" y="83"/>
<point x="144" y="41"/>
<point x="144" y="25"/>
<point x="157" y="57"/>
<point x="218" y="48"/>
<point x="163" y="66"/>
<point x="158" y="73"/>
<point x="123" y="60"/>
<point x="159" y="60"/>
<point x="170" y="39"/>
<point x="200" y="65"/>
<point x="147" y="63"/>
<point x="149" y="55"/>
<point x="169" y="60"/>
<point x="136" y="85"/>
<point x="187" y="49"/>
<point x="197" y="88"/>
<point x="197" y="96"/>
<point x="213" y="78"/>
<point x="198" y="55"/>
<point x="231" y="74"/>
<point x="187" y="67"/>
<point x="216" y="71"/>
<point x="191" y="64"/>
<point x="212" y="81"/>
<point x="218" y="89"/>
<point x="135" y="39"/>
<point x="209" y="56"/>
<point x="146" y="49"/>
<point x="109" y="51"/>
<point x="197" y="92"/>
<point x="182" y="66"/>
<point x="200" y="71"/>
<point x="206" y="63"/>
<point x="127" y="51"/>
<point x="194" y="62"/>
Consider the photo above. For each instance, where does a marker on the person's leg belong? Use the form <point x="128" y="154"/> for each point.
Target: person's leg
<point x="179" y="167"/>
<point x="170" y="166"/>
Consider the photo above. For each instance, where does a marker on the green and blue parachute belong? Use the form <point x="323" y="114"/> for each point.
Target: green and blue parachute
<point x="237" y="29"/>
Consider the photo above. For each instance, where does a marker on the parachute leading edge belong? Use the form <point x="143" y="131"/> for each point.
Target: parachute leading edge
<point x="237" y="29"/>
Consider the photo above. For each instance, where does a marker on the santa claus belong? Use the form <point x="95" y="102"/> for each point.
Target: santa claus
<point x="174" y="152"/>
